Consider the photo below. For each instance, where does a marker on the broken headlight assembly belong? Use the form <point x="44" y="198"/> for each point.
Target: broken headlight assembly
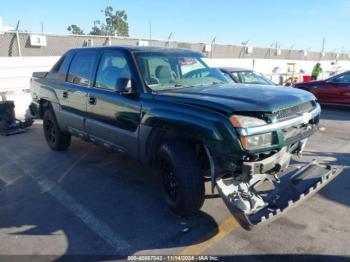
<point x="255" y="141"/>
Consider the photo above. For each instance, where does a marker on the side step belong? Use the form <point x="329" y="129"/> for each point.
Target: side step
<point x="294" y="187"/>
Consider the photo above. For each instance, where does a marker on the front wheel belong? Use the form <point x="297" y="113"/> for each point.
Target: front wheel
<point x="182" y="178"/>
<point x="55" y="138"/>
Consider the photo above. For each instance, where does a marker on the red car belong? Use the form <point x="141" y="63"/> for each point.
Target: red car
<point x="334" y="90"/>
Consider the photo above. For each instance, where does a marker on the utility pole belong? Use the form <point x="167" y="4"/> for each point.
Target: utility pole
<point x="168" y="41"/>
<point x="290" y="51"/>
<point x="244" y="48"/>
<point x="269" y="51"/>
<point x="42" y="27"/>
<point x="212" y="47"/>
<point x="18" y="40"/>
<point x="323" y="47"/>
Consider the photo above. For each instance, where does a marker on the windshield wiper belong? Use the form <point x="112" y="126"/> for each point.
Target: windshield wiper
<point x="181" y="85"/>
<point x="217" y="83"/>
<point x="177" y="86"/>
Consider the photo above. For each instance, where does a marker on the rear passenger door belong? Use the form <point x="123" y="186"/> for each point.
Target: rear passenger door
<point x="113" y="118"/>
<point x="75" y="89"/>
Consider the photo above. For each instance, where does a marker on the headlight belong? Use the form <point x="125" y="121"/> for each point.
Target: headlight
<point x="256" y="141"/>
<point x="246" y="121"/>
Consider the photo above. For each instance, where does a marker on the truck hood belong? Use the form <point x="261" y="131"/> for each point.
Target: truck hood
<point x="244" y="98"/>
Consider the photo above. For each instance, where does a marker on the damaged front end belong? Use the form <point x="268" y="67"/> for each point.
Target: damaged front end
<point x="266" y="187"/>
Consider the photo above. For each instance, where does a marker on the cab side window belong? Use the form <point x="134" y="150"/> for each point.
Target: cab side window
<point x="80" y="71"/>
<point x="112" y="69"/>
<point x="54" y="72"/>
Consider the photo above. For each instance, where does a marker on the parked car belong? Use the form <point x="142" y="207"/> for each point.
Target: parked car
<point x="167" y="108"/>
<point x="245" y="76"/>
<point x="334" y="90"/>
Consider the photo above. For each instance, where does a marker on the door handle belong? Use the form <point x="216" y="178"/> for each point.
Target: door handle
<point x="65" y="94"/>
<point x="92" y="100"/>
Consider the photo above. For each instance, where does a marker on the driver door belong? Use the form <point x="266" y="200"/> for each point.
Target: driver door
<point x="113" y="118"/>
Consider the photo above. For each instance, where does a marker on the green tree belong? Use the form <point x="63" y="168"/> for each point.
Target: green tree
<point x="75" y="30"/>
<point x="116" y="23"/>
<point x="96" y="29"/>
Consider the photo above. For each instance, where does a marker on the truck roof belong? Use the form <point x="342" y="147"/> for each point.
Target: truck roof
<point x="131" y="48"/>
<point x="234" y="69"/>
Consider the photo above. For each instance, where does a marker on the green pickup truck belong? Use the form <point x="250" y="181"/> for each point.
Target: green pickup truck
<point x="166" y="108"/>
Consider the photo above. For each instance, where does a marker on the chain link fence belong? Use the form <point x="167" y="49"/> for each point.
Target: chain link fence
<point x="12" y="44"/>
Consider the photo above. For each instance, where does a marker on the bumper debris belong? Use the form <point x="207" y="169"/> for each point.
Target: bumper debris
<point x="9" y="125"/>
<point x="263" y="199"/>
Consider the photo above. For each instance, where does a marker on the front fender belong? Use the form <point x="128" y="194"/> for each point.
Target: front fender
<point x="214" y="130"/>
<point x="182" y="123"/>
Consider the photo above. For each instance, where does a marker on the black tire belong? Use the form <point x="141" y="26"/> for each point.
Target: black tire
<point x="181" y="177"/>
<point x="55" y="138"/>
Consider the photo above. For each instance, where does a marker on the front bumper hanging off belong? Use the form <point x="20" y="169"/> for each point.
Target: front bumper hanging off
<point x="261" y="200"/>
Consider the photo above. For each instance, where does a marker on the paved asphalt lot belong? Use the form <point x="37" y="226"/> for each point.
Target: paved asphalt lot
<point x="89" y="201"/>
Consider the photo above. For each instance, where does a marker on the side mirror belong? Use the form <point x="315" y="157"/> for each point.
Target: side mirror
<point x="123" y="85"/>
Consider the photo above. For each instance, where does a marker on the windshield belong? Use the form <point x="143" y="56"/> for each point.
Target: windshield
<point x="333" y="77"/>
<point x="164" y="71"/>
<point x="250" y="77"/>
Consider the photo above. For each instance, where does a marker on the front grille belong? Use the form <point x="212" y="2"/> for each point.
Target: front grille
<point x="294" y="111"/>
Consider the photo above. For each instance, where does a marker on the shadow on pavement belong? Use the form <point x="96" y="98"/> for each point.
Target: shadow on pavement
<point x="335" y="190"/>
<point x="118" y="191"/>
<point x="330" y="112"/>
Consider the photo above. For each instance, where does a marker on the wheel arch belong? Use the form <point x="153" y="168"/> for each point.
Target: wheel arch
<point x="162" y="134"/>
<point x="45" y="104"/>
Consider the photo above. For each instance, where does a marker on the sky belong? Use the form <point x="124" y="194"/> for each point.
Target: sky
<point x="298" y="23"/>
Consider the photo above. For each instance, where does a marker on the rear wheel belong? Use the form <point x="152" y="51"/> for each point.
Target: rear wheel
<point x="55" y="138"/>
<point x="181" y="177"/>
